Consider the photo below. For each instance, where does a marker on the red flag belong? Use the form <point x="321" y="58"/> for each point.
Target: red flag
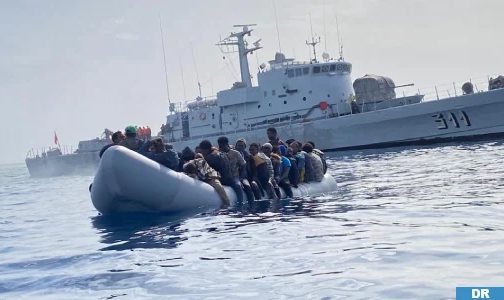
<point x="56" y="141"/>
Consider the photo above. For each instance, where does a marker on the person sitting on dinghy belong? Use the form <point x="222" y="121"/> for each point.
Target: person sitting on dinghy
<point x="186" y="155"/>
<point x="157" y="151"/>
<point x="198" y="168"/>
<point x="263" y="170"/>
<point x="246" y="171"/>
<point x="236" y="161"/>
<point x="273" y="138"/>
<point x="294" y="171"/>
<point x="317" y="173"/>
<point x="117" y="137"/>
<point x="220" y="162"/>
<point x="131" y="141"/>
<point x="300" y="160"/>
<point x="320" y="154"/>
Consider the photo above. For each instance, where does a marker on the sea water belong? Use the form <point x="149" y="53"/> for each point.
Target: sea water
<point x="405" y="223"/>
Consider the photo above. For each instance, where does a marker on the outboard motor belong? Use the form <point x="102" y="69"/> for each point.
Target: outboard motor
<point x="468" y="88"/>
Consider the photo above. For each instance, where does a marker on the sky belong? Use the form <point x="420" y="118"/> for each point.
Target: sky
<point x="77" y="67"/>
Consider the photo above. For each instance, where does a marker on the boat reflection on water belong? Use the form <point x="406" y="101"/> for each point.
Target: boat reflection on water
<point x="139" y="231"/>
<point x="144" y="231"/>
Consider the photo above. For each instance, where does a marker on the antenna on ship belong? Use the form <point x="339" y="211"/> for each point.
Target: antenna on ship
<point x="238" y="39"/>
<point x="278" y="31"/>
<point x="196" y="69"/>
<point x="340" y="39"/>
<point x="164" y="59"/>
<point x="313" y="43"/>
<point x="182" y="77"/>
<point x="325" y="31"/>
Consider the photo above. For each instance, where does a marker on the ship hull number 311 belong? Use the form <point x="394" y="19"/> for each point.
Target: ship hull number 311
<point x="452" y="119"/>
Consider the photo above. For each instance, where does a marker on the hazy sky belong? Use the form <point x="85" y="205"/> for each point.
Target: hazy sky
<point x="78" y="67"/>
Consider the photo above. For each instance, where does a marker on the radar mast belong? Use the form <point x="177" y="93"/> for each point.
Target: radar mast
<point x="238" y="39"/>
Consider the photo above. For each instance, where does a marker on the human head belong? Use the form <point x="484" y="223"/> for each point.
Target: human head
<point x="205" y="147"/>
<point x="282" y="150"/>
<point x="117" y="137"/>
<point x="294" y="147"/>
<point x="187" y="154"/>
<point x="290" y="152"/>
<point x="130" y="131"/>
<point x="223" y="143"/>
<point x="240" y="145"/>
<point x="307" y="147"/>
<point x="267" y="148"/>
<point x="190" y="169"/>
<point x="311" y="143"/>
<point x="254" y="148"/>
<point x="158" y="145"/>
<point x="272" y="133"/>
<point x="289" y="141"/>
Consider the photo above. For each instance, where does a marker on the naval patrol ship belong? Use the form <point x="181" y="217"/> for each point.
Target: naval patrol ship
<point x="317" y="101"/>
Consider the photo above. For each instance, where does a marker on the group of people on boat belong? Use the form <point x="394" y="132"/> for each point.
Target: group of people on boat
<point x="259" y="171"/>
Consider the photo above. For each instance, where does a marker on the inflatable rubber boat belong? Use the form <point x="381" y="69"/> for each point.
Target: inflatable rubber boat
<point x="130" y="182"/>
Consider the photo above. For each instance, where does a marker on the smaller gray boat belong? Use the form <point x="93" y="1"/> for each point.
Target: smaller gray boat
<point x="55" y="162"/>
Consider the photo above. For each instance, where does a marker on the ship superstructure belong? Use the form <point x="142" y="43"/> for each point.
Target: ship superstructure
<point x="287" y="91"/>
<point x="317" y="101"/>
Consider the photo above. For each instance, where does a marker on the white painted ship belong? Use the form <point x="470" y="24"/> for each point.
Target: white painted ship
<point x="317" y="101"/>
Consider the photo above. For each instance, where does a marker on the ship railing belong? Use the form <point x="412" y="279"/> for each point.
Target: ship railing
<point x="181" y="106"/>
<point x="447" y="90"/>
<point x="42" y="152"/>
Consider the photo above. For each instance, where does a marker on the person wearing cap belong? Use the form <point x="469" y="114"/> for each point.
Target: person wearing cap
<point x="131" y="141"/>
<point x="117" y="137"/>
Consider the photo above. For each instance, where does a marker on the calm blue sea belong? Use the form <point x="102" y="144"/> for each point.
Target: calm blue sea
<point x="407" y="223"/>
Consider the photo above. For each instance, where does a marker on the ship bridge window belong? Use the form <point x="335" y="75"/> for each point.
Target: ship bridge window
<point x="290" y="73"/>
<point x="316" y="69"/>
<point x="306" y="70"/>
<point x="332" y="68"/>
<point x="299" y="72"/>
<point x="325" y="68"/>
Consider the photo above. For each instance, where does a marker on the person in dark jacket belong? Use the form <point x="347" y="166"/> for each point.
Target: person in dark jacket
<point x="246" y="172"/>
<point x="157" y="151"/>
<point x="236" y="162"/>
<point x="294" y="170"/>
<point x="185" y="156"/>
<point x="117" y="137"/>
<point x="220" y="162"/>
